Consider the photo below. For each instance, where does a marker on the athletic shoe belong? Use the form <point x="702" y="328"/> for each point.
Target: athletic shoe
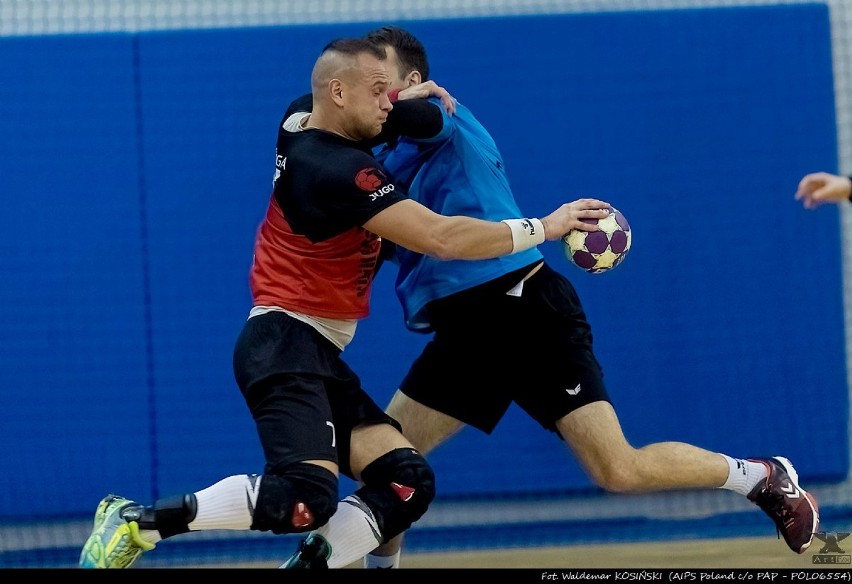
<point x="313" y="554"/>
<point x="115" y="541"/>
<point x="100" y="512"/>
<point x="794" y="510"/>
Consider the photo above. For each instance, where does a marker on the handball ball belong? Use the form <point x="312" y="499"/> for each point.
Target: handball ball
<point x="599" y="251"/>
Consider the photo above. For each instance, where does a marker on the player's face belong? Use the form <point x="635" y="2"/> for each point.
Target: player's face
<point x="368" y="102"/>
<point x="397" y="79"/>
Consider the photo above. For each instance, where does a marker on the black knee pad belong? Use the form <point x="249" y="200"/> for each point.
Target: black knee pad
<point x="280" y="495"/>
<point x="398" y="488"/>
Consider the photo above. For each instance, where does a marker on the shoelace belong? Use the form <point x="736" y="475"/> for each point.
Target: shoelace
<point x="773" y="504"/>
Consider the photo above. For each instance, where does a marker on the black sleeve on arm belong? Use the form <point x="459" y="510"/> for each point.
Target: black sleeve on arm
<point x="850" y="194"/>
<point x="414" y="118"/>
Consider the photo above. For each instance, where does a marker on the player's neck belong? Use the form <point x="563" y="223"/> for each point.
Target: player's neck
<point x="316" y="121"/>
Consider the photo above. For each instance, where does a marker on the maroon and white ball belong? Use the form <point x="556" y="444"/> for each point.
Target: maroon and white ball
<point x="599" y="251"/>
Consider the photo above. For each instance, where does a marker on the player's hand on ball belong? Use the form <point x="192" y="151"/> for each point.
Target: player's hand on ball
<point x="600" y="250"/>
<point x="570" y="216"/>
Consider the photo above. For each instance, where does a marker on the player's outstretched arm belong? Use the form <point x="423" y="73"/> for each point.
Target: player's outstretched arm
<point x="817" y="188"/>
<point x="415" y="227"/>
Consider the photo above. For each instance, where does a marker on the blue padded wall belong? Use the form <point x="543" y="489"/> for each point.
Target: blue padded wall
<point x="74" y="374"/>
<point x="137" y="167"/>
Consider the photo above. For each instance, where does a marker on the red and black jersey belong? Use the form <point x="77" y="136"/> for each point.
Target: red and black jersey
<point x="311" y="254"/>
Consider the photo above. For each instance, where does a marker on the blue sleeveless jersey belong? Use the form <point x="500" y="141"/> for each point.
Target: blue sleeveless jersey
<point x="458" y="172"/>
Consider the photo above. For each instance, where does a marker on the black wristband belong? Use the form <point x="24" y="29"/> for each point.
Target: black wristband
<point x="850" y="192"/>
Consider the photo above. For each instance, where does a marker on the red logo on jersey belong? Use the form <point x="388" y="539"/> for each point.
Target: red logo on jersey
<point x="370" y="179"/>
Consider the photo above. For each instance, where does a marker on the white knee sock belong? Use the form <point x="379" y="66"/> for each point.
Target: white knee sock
<point x="352" y="532"/>
<point x="227" y="504"/>
<point x="743" y="475"/>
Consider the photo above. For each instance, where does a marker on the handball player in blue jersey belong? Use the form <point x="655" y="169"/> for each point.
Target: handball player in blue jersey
<point x="512" y="329"/>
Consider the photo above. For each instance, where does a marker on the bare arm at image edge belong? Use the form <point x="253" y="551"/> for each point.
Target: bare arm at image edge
<point x="818" y="188"/>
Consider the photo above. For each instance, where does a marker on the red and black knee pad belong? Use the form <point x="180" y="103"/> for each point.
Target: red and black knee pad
<point x="398" y="487"/>
<point x="299" y="499"/>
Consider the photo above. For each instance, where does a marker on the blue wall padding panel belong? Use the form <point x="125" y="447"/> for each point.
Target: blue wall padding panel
<point x="136" y="169"/>
<point x="73" y="366"/>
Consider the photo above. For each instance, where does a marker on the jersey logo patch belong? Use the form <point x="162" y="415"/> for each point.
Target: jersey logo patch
<point x="370" y="179"/>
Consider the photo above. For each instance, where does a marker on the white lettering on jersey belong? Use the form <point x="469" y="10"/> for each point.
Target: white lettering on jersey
<point x="381" y="192"/>
<point x="280" y="164"/>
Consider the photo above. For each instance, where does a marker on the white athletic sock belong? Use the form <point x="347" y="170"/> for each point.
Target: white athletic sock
<point x="226" y="505"/>
<point x="372" y="561"/>
<point x="743" y="475"/>
<point x="352" y="532"/>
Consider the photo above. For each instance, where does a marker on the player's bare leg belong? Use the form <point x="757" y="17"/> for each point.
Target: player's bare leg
<point x="426" y="429"/>
<point x="595" y="435"/>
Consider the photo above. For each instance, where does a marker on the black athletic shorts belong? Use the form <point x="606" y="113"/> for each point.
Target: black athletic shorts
<point x="490" y="349"/>
<point x="304" y="399"/>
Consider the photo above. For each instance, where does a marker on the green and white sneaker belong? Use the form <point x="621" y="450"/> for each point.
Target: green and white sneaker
<point x="115" y="541"/>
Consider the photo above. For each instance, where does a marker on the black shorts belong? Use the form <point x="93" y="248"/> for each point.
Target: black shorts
<point x="490" y="349"/>
<point x="304" y="399"/>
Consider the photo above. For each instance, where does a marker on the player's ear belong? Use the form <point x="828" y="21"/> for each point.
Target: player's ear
<point x="335" y="90"/>
<point x="413" y="78"/>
